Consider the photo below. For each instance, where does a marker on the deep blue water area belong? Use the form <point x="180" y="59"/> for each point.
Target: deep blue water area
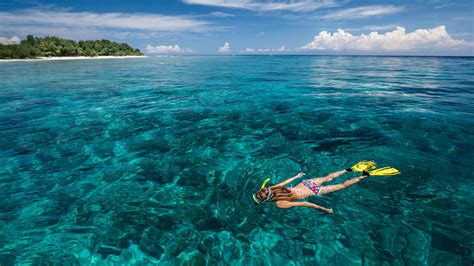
<point x="154" y="160"/>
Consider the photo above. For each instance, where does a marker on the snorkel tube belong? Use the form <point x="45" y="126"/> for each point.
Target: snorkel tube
<point x="270" y="193"/>
<point x="265" y="183"/>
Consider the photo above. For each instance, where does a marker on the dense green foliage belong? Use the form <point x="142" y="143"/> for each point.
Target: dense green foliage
<point x="33" y="47"/>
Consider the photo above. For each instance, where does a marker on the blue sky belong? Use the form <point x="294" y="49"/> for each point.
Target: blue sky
<point x="433" y="27"/>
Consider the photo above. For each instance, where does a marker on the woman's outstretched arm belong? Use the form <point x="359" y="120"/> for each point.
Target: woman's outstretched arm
<point x="289" y="180"/>
<point x="288" y="204"/>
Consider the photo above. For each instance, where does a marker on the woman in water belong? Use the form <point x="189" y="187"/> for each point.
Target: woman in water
<point x="285" y="197"/>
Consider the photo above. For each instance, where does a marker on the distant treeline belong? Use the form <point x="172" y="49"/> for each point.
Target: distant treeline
<point x="32" y="47"/>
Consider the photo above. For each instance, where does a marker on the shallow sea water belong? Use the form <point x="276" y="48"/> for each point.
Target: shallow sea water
<point x="154" y="160"/>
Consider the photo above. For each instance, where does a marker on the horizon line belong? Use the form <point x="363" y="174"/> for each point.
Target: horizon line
<point x="230" y="55"/>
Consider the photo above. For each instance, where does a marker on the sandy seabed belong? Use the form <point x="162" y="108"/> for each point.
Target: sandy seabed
<point x="73" y="58"/>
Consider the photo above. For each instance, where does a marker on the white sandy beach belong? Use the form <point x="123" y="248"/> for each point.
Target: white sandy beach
<point x="58" y="58"/>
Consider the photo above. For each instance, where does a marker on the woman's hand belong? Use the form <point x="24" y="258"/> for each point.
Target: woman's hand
<point x="328" y="211"/>
<point x="300" y="175"/>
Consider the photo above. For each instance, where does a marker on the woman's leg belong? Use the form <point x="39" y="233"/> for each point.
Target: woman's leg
<point x="332" y="188"/>
<point x="320" y="180"/>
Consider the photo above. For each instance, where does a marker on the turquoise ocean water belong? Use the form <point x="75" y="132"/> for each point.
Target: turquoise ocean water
<point x="154" y="160"/>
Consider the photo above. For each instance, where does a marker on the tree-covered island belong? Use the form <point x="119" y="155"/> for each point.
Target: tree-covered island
<point x="33" y="47"/>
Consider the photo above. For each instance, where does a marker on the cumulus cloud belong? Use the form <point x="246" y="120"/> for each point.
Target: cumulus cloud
<point x="363" y="12"/>
<point x="12" y="40"/>
<point x="49" y="22"/>
<point x="397" y="40"/>
<point x="265" y="50"/>
<point x="167" y="49"/>
<point x="284" y="5"/>
<point x="224" y="49"/>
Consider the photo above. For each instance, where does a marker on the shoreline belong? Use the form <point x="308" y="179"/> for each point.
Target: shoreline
<point x="64" y="58"/>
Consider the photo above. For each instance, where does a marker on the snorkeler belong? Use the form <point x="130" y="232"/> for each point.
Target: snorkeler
<point x="287" y="197"/>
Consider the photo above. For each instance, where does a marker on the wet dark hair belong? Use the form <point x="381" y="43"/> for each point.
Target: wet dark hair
<point x="279" y="193"/>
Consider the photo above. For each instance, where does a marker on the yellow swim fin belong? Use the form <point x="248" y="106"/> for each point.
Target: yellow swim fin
<point x="384" y="171"/>
<point x="362" y="166"/>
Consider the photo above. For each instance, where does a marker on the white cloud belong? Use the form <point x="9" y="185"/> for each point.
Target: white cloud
<point x="372" y="28"/>
<point x="443" y="5"/>
<point x="397" y="40"/>
<point x="224" y="49"/>
<point x="12" y="40"/>
<point x="281" y="49"/>
<point x="379" y="27"/>
<point x="167" y="49"/>
<point x="363" y="12"/>
<point x="41" y="21"/>
<point x="137" y="21"/>
<point x="283" y="5"/>
<point x="221" y="14"/>
<point x="265" y="50"/>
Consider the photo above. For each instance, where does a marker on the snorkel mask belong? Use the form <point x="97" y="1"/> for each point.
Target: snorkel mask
<point x="269" y="196"/>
